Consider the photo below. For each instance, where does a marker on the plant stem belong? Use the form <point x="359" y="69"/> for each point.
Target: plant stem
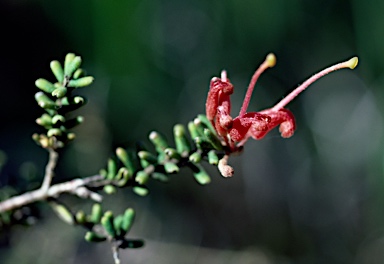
<point x="75" y="186"/>
<point x="50" y="169"/>
<point x="269" y="62"/>
<point x="351" y="63"/>
<point x="115" y="253"/>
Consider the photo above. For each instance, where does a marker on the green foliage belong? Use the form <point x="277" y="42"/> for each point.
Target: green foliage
<point x="137" y="168"/>
<point x="132" y="168"/>
<point x="57" y="100"/>
<point x="105" y="226"/>
<point x="63" y="212"/>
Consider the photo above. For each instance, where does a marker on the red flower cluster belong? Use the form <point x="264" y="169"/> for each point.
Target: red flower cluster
<point x="234" y="132"/>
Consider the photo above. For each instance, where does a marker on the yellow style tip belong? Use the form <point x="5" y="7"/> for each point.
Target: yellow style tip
<point x="271" y="60"/>
<point x="352" y="63"/>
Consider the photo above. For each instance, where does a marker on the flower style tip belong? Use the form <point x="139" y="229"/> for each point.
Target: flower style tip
<point x="352" y="63"/>
<point x="271" y="60"/>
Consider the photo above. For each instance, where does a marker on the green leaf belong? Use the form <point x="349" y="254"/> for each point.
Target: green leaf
<point x="44" y="101"/>
<point x="57" y="70"/>
<point x="109" y="189"/>
<point x="213" y="159"/>
<point x="122" y="176"/>
<point x="140" y="190"/>
<point x="72" y="63"/>
<point x="203" y="144"/>
<point x="54" y="132"/>
<point x="62" y="212"/>
<point x="182" y="143"/>
<point x="79" y="100"/>
<point x="58" y="118"/>
<point x="45" y="85"/>
<point x="45" y="120"/>
<point x="103" y="172"/>
<point x="193" y="130"/>
<point x="84" y="81"/>
<point x="78" y="73"/>
<point x="59" y="92"/>
<point x="213" y="139"/>
<point x="80" y="217"/>
<point x="158" y="141"/>
<point x="142" y="177"/>
<point x="67" y="62"/>
<point x="146" y="158"/>
<point x="172" y="153"/>
<point x="195" y="157"/>
<point x="201" y="175"/>
<point x="128" y="218"/>
<point x="112" y="169"/>
<point x="117" y="223"/>
<point x="107" y="223"/>
<point x="41" y="140"/>
<point x="206" y="122"/>
<point x="171" y="167"/>
<point x="71" y="136"/>
<point x="96" y="213"/>
<point x="72" y="103"/>
<point x="93" y="237"/>
<point x="200" y="126"/>
<point x="128" y="159"/>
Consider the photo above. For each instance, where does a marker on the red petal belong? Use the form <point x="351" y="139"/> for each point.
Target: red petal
<point x="283" y="117"/>
<point x="242" y="125"/>
<point x="217" y="87"/>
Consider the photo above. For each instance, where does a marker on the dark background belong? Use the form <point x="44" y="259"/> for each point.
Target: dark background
<point x="314" y="198"/>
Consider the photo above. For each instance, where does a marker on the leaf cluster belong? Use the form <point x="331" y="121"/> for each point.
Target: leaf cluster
<point x="57" y="99"/>
<point x="134" y="168"/>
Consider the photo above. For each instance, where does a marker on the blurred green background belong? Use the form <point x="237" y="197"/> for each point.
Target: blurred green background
<point x="317" y="197"/>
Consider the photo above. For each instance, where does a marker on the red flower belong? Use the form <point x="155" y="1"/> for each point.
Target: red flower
<point x="234" y="132"/>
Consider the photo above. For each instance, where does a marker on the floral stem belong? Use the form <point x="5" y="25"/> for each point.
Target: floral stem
<point x="351" y="63"/>
<point x="269" y="62"/>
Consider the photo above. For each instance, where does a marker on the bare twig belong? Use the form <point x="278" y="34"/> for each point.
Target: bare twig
<point x="115" y="253"/>
<point x="75" y="186"/>
<point x="50" y="169"/>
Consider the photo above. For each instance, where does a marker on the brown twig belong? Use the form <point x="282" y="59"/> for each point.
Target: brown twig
<point x="115" y="253"/>
<point x="50" y="169"/>
<point x="75" y="186"/>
